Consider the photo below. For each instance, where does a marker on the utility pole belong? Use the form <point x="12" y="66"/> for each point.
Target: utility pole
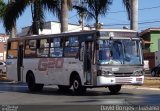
<point x="134" y="15"/>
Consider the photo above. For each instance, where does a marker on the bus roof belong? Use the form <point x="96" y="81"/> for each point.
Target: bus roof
<point x="72" y="33"/>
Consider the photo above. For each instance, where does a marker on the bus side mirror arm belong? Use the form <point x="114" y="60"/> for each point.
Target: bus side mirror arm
<point x="143" y="44"/>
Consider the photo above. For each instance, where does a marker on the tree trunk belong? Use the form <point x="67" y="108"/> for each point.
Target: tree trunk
<point x="64" y="16"/>
<point x="134" y="15"/>
<point x="96" y="24"/>
<point x="35" y="27"/>
<point x="13" y="31"/>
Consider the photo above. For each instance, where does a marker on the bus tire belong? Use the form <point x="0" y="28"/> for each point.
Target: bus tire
<point x="77" y="86"/>
<point x="32" y="86"/>
<point x="63" y="87"/>
<point x="114" y="89"/>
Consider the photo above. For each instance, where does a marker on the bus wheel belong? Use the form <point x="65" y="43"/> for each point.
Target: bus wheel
<point x="114" y="89"/>
<point x="32" y="86"/>
<point x="77" y="86"/>
<point x="63" y="88"/>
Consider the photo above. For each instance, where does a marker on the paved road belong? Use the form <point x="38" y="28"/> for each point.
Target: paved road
<point x="18" y="94"/>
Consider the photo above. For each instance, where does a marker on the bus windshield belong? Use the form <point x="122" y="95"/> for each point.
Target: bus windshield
<point x="119" y="51"/>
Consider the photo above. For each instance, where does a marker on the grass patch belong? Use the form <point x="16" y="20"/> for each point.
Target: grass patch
<point x="154" y="83"/>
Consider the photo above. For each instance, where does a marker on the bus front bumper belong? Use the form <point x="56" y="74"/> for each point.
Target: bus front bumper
<point x="106" y="81"/>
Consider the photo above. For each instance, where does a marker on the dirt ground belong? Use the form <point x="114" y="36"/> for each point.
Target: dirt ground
<point x="3" y="78"/>
<point x="153" y="82"/>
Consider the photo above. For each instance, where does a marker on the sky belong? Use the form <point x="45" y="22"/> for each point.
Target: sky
<point x="148" y="16"/>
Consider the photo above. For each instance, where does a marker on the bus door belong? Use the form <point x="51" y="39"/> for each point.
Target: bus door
<point x="87" y="61"/>
<point x="20" y="63"/>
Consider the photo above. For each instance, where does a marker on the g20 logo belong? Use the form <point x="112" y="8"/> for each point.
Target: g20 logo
<point x="45" y="63"/>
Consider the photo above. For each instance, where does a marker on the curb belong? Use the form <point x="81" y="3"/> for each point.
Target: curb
<point x="2" y="81"/>
<point x="6" y="81"/>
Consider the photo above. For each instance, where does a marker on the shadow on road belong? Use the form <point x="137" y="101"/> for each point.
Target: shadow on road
<point x="98" y="96"/>
<point x="22" y="88"/>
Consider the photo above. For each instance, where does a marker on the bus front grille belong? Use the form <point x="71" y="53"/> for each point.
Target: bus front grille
<point x="123" y="74"/>
<point x="123" y="80"/>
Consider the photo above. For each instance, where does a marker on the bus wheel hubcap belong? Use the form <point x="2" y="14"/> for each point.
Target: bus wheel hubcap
<point x="75" y="84"/>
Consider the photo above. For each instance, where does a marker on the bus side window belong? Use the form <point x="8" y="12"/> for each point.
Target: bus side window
<point x="71" y="47"/>
<point x="12" y="49"/>
<point x="30" y="48"/>
<point x="56" y="49"/>
<point x="43" y="47"/>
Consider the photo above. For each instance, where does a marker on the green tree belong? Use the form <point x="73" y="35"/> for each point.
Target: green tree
<point x="2" y="9"/>
<point x="127" y="4"/>
<point x="15" y="9"/>
<point x="97" y="8"/>
<point x="92" y="9"/>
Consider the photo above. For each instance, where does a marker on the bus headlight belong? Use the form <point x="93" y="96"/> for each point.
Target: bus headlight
<point x="104" y="73"/>
<point x="99" y="73"/>
<point x="109" y="73"/>
<point x="138" y="73"/>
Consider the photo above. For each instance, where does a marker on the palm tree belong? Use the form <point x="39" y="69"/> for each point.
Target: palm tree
<point x="37" y="16"/>
<point x="90" y="10"/>
<point x="2" y="8"/>
<point x="127" y="4"/>
<point x="97" y="8"/>
<point x="15" y="10"/>
<point x="64" y="16"/>
<point x="13" y="30"/>
<point x="81" y="10"/>
<point x="94" y="8"/>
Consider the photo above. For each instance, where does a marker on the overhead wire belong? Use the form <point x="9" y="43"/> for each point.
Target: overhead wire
<point x="140" y="23"/>
<point x="141" y="9"/>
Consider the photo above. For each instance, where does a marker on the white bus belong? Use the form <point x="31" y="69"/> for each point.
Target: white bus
<point x="88" y="59"/>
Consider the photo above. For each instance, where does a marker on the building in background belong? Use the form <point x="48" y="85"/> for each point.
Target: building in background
<point x="151" y="37"/>
<point x="3" y="46"/>
<point x="52" y="27"/>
